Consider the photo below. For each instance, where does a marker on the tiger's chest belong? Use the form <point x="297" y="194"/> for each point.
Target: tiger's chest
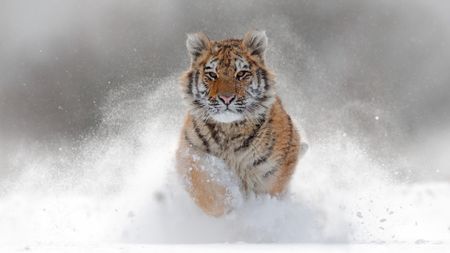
<point x="241" y="153"/>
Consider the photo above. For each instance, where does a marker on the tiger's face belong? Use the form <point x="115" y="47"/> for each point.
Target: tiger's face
<point x="228" y="80"/>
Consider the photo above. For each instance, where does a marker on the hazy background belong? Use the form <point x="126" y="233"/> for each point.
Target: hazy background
<point x="90" y="113"/>
<point x="377" y="70"/>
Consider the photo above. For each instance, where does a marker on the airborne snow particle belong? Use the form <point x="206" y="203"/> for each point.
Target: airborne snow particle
<point x="159" y="196"/>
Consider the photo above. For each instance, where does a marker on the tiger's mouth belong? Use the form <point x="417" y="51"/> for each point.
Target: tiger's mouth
<point x="229" y="111"/>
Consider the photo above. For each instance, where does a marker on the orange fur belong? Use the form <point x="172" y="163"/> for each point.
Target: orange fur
<point x="261" y="149"/>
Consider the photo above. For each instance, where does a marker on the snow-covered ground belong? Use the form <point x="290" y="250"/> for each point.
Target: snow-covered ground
<point x="117" y="193"/>
<point x="306" y="248"/>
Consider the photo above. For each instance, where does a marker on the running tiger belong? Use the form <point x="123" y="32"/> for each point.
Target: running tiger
<point x="236" y="138"/>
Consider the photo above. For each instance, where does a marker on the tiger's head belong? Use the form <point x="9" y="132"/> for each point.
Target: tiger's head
<point x="227" y="80"/>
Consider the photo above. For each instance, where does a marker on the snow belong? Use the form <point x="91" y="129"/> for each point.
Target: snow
<point x="306" y="248"/>
<point x="120" y="194"/>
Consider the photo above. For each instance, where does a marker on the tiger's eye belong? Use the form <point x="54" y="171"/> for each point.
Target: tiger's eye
<point x="211" y="75"/>
<point x="241" y="74"/>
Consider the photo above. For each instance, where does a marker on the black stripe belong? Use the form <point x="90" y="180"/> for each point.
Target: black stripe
<point x="252" y="136"/>
<point x="236" y="137"/>
<point x="195" y="82"/>
<point x="213" y="131"/>
<point x="270" y="172"/>
<point x="264" y="158"/>
<point x="269" y="149"/>
<point x="261" y="160"/>
<point x="263" y="99"/>
<point x="188" y="140"/>
<point x="264" y="77"/>
<point x="189" y="91"/>
<point x="247" y="141"/>
<point x="258" y="76"/>
<point x="288" y="148"/>
<point x="239" y="123"/>
<point x="196" y="78"/>
<point x="200" y="136"/>
<point x="256" y="52"/>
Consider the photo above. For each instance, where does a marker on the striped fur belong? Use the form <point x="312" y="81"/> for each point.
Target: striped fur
<point x="251" y="143"/>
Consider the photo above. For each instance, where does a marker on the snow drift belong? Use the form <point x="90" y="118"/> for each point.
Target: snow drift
<point x="119" y="186"/>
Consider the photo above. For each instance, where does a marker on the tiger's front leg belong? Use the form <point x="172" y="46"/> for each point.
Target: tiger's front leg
<point x="206" y="179"/>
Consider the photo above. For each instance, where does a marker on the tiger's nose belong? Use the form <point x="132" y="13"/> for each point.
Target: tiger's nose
<point x="227" y="99"/>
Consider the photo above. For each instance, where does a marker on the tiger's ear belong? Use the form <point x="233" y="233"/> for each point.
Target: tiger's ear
<point x="255" y="42"/>
<point x="196" y="44"/>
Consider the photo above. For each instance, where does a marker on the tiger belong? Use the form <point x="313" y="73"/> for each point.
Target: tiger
<point x="237" y="138"/>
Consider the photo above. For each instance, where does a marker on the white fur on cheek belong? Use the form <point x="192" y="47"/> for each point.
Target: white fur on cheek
<point x="227" y="117"/>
